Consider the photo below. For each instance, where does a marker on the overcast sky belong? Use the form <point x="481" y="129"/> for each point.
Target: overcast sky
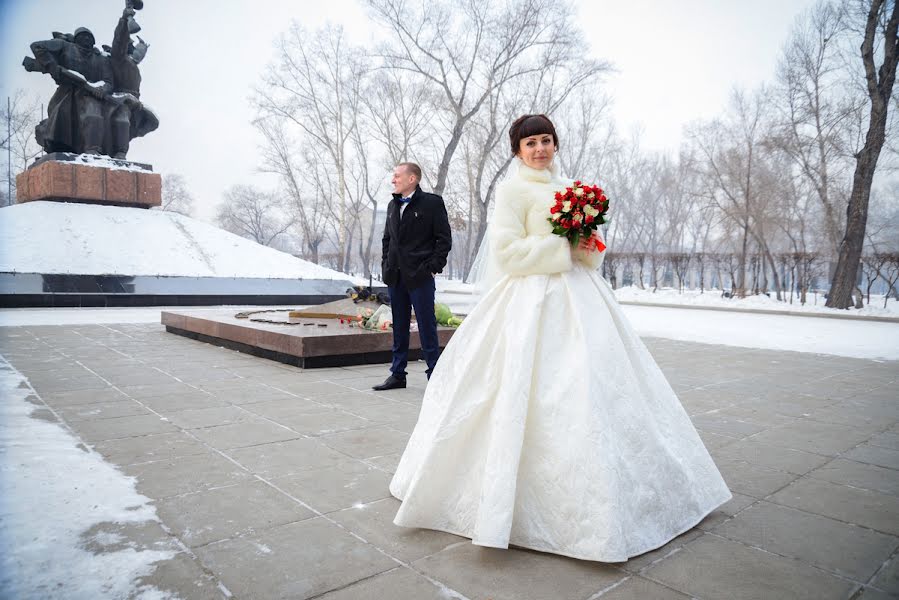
<point x="676" y="61"/>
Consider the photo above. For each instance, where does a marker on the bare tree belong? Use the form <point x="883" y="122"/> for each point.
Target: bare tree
<point x="398" y="116"/>
<point x="315" y="85"/>
<point x="814" y="112"/>
<point x="882" y="22"/>
<point x="18" y="117"/>
<point x="175" y="195"/>
<point x="730" y="156"/>
<point x="469" y="49"/>
<point x="297" y="169"/>
<point x="254" y="214"/>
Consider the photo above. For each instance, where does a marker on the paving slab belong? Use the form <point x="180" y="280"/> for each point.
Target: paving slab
<point x="281" y="459"/>
<point x="287" y="407"/>
<point x="148" y="448"/>
<point x="714" y="568"/>
<point x="79" y="397"/>
<point x="251" y="432"/>
<point x="369" y="442"/>
<point x="299" y="560"/>
<point x="373" y="522"/>
<point x="102" y="410"/>
<point x="759" y="454"/>
<point x="225" y="512"/>
<point x="875" y="455"/>
<point x="827" y="439"/>
<point x="324" y="422"/>
<point x="637" y="588"/>
<point x="184" y="577"/>
<point x="844" y="503"/>
<point x="397" y="584"/>
<point x="887" y="439"/>
<point x="844" y="549"/>
<point x="121" y="427"/>
<point x="387" y="463"/>
<point x="752" y="480"/>
<point x="343" y="485"/>
<point x="209" y="417"/>
<point x="172" y="403"/>
<point x="514" y="574"/>
<point x="887" y="579"/>
<point x="165" y="478"/>
<point x="860" y="475"/>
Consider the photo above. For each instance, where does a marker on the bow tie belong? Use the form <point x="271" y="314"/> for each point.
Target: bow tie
<point x="405" y="200"/>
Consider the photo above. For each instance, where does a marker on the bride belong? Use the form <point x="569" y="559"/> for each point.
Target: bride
<point x="546" y="423"/>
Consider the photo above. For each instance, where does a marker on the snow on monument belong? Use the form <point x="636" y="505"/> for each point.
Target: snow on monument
<point x="80" y="234"/>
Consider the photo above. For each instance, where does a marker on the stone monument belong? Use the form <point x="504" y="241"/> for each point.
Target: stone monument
<point x="91" y="119"/>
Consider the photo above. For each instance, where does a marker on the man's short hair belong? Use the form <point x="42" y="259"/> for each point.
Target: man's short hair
<point x="412" y="168"/>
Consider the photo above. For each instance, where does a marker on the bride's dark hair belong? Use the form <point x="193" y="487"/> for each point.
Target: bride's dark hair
<point x="528" y="125"/>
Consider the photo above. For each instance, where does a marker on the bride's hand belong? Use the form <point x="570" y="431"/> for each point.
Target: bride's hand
<point x="588" y="243"/>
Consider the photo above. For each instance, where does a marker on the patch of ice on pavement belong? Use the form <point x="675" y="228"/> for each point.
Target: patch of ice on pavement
<point x="52" y="493"/>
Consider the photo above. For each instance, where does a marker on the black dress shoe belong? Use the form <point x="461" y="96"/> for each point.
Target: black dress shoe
<point x="391" y="383"/>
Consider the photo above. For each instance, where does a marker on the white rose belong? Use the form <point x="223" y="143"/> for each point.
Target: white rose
<point x="578" y="191"/>
<point x="566" y="206"/>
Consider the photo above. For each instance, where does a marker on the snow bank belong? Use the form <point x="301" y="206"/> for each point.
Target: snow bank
<point x="713" y="298"/>
<point x="52" y="493"/>
<point x="86" y="239"/>
<point x="29" y="317"/>
<point x="838" y="337"/>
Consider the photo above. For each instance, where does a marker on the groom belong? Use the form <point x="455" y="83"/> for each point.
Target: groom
<point x="416" y="242"/>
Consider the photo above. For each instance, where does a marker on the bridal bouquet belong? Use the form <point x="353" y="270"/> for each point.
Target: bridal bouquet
<point x="578" y="211"/>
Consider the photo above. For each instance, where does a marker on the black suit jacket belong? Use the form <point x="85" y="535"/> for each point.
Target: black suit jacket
<point x="415" y="245"/>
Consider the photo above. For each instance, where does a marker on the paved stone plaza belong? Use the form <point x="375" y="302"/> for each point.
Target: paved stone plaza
<point x="271" y="482"/>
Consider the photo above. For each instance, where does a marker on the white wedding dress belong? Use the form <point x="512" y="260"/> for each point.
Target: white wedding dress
<point x="546" y="423"/>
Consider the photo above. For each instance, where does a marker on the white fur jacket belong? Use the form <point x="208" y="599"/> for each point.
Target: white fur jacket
<point x="522" y="237"/>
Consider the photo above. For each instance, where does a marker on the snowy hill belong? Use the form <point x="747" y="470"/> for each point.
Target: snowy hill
<point x="86" y="239"/>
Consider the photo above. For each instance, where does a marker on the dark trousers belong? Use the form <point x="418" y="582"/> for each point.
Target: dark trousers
<point x="402" y="301"/>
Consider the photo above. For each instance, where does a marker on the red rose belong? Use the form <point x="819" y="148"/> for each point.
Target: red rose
<point x="588" y="219"/>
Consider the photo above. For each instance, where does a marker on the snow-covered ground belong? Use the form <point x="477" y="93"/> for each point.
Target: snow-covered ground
<point x="12" y="317"/>
<point x="455" y="290"/>
<point x="86" y="239"/>
<point x="840" y="337"/>
<point x="712" y="298"/>
<point x="53" y="493"/>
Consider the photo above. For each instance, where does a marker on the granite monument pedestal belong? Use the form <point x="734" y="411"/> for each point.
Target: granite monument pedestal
<point x="65" y="177"/>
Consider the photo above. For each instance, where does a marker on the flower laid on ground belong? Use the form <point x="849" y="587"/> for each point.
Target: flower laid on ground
<point x="445" y="316"/>
<point x="578" y="211"/>
<point x="382" y="319"/>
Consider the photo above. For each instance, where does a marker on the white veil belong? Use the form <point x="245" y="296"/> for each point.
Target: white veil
<point x="485" y="271"/>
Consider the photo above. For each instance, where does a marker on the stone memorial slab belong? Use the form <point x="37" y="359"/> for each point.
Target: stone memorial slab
<point x="308" y="342"/>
